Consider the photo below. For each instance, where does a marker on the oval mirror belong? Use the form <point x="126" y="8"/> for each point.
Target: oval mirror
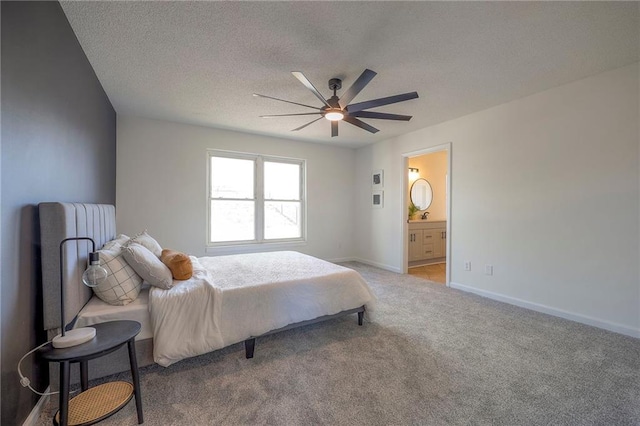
<point x="421" y="194"/>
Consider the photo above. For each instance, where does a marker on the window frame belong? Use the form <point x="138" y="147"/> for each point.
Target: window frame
<point x="259" y="198"/>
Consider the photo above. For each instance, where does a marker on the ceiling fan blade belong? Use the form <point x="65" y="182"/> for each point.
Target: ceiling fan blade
<point x="282" y="100"/>
<point x="380" y="115"/>
<point x="290" y="115"/>
<point x="381" y="101"/>
<point x="356" y="87"/>
<point x="304" y="80"/>
<point x="334" y="128"/>
<point x="305" y="125"/>
<point x="361" y="124"/>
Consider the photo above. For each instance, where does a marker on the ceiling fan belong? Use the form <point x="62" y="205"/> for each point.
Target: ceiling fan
<point x="338" y="109"/>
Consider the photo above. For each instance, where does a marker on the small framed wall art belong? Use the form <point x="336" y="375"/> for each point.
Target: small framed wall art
<point x="377" y="179"/>
<point x="377" y="199"/>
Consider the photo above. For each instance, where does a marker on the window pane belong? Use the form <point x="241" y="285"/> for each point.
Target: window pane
<point x="231" y="178"/>
<point x="281" y="181"/>
<point x="282" y="220"/>
<point x="232" y="220"/>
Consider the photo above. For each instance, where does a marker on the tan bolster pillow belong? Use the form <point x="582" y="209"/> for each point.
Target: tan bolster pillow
<point x="179" y="264"/>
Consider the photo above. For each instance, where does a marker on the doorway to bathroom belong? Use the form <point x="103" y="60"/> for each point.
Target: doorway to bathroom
<point x="426" y="208"/>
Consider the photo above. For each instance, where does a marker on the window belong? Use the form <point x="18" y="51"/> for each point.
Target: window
<point x="254" y="199"/>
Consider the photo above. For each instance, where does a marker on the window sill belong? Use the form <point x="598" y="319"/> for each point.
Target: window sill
<point x="252" y="247"/>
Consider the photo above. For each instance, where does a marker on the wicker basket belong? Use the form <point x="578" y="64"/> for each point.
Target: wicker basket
<point x="97" y="403"/>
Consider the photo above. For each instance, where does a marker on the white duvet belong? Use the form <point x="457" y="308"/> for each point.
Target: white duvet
<point x="232" y="298"/>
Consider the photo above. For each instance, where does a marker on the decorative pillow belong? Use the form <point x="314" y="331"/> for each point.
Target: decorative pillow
<point x="148" y="242"/>
<point x="179" y="264"/>
<point x="122" y="285"/>
<point x="147" y="265"/>
<point x="117" y="242"/>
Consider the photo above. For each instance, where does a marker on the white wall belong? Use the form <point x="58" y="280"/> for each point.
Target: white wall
<point x="545" y="188"/>
<point x="161" y="184"/>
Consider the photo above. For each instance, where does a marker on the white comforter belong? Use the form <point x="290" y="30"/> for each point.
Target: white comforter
<point x="232" y="298"/>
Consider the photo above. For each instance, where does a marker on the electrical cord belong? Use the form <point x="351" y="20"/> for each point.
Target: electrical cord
<point x="25" y="382"/>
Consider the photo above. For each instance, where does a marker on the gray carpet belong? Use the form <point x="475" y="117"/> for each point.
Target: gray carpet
<point x="432" y="355"/>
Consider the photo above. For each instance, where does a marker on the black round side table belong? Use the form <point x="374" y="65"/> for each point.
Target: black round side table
<point x="99" y="402"/>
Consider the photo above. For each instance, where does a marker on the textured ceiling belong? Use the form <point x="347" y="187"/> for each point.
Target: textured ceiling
<point x="200" y="62"/>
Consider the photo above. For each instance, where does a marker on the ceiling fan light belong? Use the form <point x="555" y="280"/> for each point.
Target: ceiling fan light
<point x="334" y="116"/>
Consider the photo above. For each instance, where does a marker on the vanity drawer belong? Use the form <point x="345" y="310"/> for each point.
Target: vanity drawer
<point x="428" y="251"/>
<point x="431" y="236"/>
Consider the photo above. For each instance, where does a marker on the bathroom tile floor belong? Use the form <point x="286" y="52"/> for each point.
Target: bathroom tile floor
<point x="436" y="272"/>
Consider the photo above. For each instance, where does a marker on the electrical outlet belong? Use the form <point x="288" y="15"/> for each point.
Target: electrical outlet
<point x="467" y="265"/>
<point x="488" y="269"/>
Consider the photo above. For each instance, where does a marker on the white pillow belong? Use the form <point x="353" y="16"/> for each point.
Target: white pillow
<point x="147" y="265"/>
<point x="122" y="285"/>
<point x="148" y="242"/>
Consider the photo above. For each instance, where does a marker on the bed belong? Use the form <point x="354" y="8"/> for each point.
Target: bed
<point x="229" y="299"/>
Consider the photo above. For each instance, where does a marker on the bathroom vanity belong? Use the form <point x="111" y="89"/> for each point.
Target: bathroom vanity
<point x="427" y="239"/>
<point x="427" y="242"/>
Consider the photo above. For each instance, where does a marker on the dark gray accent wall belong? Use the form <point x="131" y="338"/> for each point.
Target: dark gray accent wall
<point x="58" y="144"/>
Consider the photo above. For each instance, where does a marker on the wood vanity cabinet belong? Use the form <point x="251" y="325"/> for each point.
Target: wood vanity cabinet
<point x="415" y="244"/>
<point x="427" y="242"/>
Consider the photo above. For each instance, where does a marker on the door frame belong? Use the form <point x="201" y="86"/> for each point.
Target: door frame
<point x="404" y="199"/>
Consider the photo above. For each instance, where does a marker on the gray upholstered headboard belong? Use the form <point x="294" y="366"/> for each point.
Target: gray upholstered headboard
<point x="57" y="222"/>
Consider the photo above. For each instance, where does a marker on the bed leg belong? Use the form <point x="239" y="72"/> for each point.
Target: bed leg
<point x="360" y="317"/>
<point x="249" y="346"/>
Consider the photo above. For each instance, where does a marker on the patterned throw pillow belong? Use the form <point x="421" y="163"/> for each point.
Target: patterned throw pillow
<point x="122" y="285"/>
<point x="118" y="241"/>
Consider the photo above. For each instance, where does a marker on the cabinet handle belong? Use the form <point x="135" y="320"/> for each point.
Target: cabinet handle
<point x="427" y="236"/>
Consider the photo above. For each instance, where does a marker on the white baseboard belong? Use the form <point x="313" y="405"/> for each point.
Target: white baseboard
<point x="378" y="265"/>
<point x="34" y="415"/>
<point x="341" y="259"/>
<point x="583" y="319"/>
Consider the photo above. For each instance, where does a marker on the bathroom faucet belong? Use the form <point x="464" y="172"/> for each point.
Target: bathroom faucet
<point x="425" y="215"/>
